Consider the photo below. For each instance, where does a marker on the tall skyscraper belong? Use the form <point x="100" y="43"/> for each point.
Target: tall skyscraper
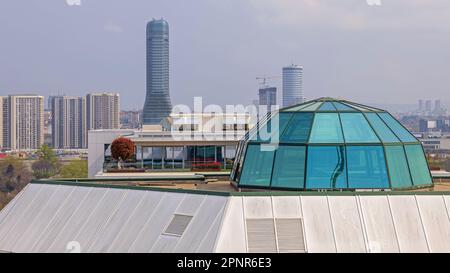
<point x="102" y="111"/>
<point x="292" y="85"/>
<point x="268" y="97"/>
<point x="68" y="115"/>
<point x="157" y="102"/>
<point x="23" y="122"/>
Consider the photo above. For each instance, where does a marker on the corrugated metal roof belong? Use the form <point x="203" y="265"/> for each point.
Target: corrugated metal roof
<point x="62" y="217"/>
<point x="360" y="223"/>
<point x="52" y="218"/>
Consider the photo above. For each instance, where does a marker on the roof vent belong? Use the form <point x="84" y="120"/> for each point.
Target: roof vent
<point x="178" y="225"/>
<point x="261" y="235"/>
<point x="290" y="235"/>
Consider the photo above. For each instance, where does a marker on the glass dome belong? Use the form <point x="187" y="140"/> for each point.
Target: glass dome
<point x="330" y="144"/>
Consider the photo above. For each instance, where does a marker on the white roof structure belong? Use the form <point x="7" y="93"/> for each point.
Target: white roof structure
<point x="86" y="217"/>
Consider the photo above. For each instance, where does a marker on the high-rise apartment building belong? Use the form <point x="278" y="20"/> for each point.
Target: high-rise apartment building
<point x="130" y="119"/>
<point x="157" y="102"/>
<point x="102" y="111"/>
<point x="292" y="85"/>
<point x="68" y="116"/>
<point x="22" y="122"/>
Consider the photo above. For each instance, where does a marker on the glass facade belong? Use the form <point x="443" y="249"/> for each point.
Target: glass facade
<point x="185" y="157"/>
<point x="332" y="145"/>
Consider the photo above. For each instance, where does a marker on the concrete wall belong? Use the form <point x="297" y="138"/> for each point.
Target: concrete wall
<point x="96" y="143"/>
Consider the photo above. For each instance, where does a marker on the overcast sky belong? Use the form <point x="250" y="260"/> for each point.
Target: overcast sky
<point x="397" y="52"/>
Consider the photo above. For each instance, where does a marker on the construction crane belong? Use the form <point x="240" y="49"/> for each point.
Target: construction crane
<point x="264" y="79"/>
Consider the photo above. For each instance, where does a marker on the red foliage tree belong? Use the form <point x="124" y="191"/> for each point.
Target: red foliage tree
<point x="122" y="148"/>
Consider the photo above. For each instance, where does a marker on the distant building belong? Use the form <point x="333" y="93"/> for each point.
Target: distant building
<point x="69" y="122"/>
<point x="268" y="97"/>
<point x="130" y="119"/>
<point x="428" y="106"/>
<point x="22" y="122"/>
<point x="292" y="85"/>
<point x="421" y="108"/>
<point x="157" y="101"/>
<point x="102" y="111"/>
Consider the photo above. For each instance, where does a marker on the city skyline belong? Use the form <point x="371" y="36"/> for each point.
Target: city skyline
<point x="358" y="47"/>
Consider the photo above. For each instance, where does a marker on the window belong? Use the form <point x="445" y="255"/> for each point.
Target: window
<point x="326" y="167"/>
<point x="326" y="129"/>
<point x="178" y="224"/>
<point x="397" y="128"/>
<point x="366" y="167"/>
<point x="356" y="129"/>
<point x="257" y="167"/>
<point x="418" y="165"/>
<point x="398" y="167"/>
<point x="298" y="128"/>
<point x="289" y="168"/>
<point x="385" y="134"/>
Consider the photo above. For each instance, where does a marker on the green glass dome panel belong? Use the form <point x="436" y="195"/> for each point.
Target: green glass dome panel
<point x="366" y="167"/>
<point x="312" y="107"/>
<point x="298" y="107"/>
<point x="298" y="128"/>
<point x="326" y="167"/>
<point x="257" y="167"/>
<point x="418" y="165"/>
<point x="289" y="168"/>
<point x="326" y="129"/>
<point x="342" y="107"/>
<point x="356" y="129"/>
<point x="327" y="106"/>
<point x="381" y="129"/>
<point x="271" y="130"/>
<point x="397" y="128"/>
<point x="398" y="166"/>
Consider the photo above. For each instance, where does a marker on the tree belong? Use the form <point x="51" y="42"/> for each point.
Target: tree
<point x="77" y="168"/>
<point x="122" y="149"/>
<point x="47" y="164"/>
<point x="43" y="169"/>
<point x="14" y="175"/>
<point x="47" y="154"/>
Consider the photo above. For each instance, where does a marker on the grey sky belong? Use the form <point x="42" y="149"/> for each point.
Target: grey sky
<point x="396" y="53"/>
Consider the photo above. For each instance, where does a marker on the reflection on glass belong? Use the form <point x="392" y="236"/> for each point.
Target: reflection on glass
<point x="366" y="167"/>
<point x="326" y="167"/>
